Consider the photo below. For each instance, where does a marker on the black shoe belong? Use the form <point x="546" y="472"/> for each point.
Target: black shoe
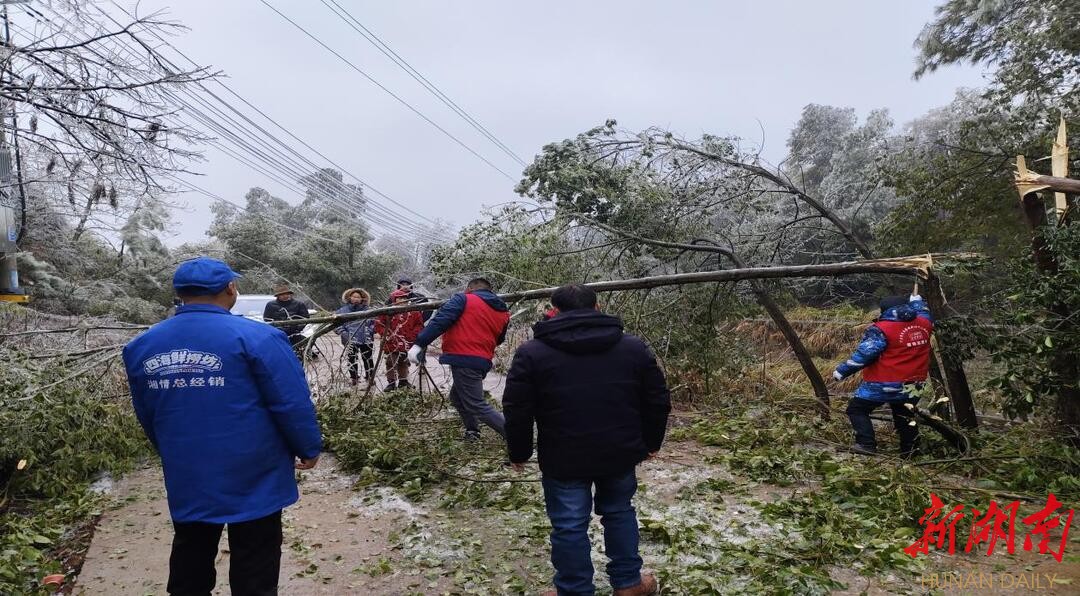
<point x="403" y="385"/>
<point x="862" y="449"/>
<point x="471" y="436"/>
<point x="391" y="387"/>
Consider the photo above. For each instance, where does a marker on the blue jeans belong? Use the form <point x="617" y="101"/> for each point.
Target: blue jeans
<point x="568" y="506"/>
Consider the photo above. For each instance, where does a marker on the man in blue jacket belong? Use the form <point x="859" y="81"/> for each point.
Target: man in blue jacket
<point x="894" y="356"/>
<point x="600" y="405"/>
<point x="225" y="403"/>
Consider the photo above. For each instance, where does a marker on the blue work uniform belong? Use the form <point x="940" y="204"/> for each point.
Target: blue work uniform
<point x="225" y="402"/>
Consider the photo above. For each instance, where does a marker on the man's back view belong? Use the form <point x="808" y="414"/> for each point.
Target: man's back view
<point x="226" y="405"/>
<point x="600" y="404"/>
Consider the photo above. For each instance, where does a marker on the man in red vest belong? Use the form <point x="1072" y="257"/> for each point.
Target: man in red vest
<point x="472" y="324"/>
<point x="894" y="355"/>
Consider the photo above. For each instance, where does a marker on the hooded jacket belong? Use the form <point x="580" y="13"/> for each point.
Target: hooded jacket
<point x="224" y="401"/>
<point x="356" y="331"/>
<point x="597" y="396"/>
<point x="888" y="365"/>
<point x="473" y="325"/>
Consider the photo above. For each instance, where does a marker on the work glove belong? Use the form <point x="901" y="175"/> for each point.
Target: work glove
<point x="416" y="354"/>
<point x="836" y="375"/>
<point x="914" y="298"/>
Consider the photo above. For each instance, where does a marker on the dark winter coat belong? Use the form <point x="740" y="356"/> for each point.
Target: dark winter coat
<point x="597" y="396"/>
<point x="277" y="310"/>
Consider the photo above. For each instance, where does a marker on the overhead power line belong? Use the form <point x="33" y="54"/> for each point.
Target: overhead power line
<point x="387" y="51"/>
<point x="288" y="147"/>
<point x="344" y="209"/>
<point x="275" y="159"/>
<point x="388" y="91"/>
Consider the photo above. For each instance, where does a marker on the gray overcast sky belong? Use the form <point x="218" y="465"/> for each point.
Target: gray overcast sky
<point x="537" y="72"/>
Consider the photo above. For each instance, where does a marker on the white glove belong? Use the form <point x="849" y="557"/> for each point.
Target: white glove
<point x="914" y="297"/>
<point x="415" y="354"/>
<point x="836" y="375"/>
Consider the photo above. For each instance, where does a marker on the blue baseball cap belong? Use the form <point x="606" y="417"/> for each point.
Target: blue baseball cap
<point x="202" y="276"/>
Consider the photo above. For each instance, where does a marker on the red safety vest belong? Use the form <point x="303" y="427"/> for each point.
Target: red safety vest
<point x="477" y="331"/>
<point x="907" y="352"/>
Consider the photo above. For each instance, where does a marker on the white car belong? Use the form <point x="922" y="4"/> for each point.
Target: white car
<point x="251" y="306"/>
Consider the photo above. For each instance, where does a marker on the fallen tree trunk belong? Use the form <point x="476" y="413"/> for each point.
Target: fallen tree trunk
<point x="895" y="266"/>
<point x="1032" y="182"/>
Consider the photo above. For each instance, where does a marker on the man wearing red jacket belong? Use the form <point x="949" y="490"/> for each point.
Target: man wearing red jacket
<point x="472" y="324"/>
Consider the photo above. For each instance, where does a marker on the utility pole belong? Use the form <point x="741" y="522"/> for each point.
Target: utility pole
<point x="9" y="234"/>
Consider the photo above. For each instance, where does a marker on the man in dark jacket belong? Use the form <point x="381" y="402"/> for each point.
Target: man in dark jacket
<point x="226" y="405"/>
<point x="284" y="308"/>
<point x="472" y="324"/>
<point x="600" y="404"/>
<point x="894" y="355"/>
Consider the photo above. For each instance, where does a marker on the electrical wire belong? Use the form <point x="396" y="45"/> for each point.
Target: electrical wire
<point x="264" y="115"/>
<point x="278" y="161"/>
<point x="388" y="91"/>
<point x="203" y="191"/>
<point x="387" y="51"/>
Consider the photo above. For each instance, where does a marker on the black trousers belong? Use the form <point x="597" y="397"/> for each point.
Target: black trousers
<point x="858" y="412"/>
<point x="294" y="341"/>
<point x="364" y="352"/>
<point x="254" y="557"/>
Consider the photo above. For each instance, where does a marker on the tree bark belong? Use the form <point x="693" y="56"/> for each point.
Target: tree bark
<point x="1035" y="215"/>
<point x="952" y="367"/>
<point x="1065" y="364"/>
<point x="900" y="266"/>
<point x="761" y="294"/>
<point x="1055" y="183"/>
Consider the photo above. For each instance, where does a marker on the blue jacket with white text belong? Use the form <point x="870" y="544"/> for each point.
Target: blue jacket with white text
<point x="225" y="402"/>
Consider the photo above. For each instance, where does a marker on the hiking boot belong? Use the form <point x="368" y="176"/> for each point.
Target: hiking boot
<point x="647" y="587"/>
<point x="471" y="436"/>
<point x="862" y="449"/>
